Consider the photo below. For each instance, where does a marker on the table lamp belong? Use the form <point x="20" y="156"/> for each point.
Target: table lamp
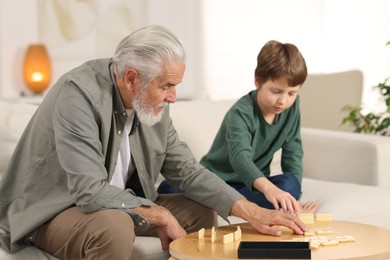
<point x="37" y="68"/>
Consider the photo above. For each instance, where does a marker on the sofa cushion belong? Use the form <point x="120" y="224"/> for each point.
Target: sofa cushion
<point x="202" y="121"/>
<point x="13" y="117"/>
<point x="318" y="92"/>
<point x="346" y="157"/>
<point x="350" y="202"/>
<point x="144" y="248"/>
<point x="30" y="252"/>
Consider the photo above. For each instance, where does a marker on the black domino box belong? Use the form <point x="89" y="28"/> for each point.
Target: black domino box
<point x="273" y="250"/>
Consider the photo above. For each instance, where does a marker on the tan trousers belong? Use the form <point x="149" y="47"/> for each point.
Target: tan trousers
<point x="109" y="234"/>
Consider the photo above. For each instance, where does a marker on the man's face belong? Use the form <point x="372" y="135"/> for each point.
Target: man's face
<point x="150" y="100"/>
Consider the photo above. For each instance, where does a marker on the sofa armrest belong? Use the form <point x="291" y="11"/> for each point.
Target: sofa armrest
<point x="346" y="157"/>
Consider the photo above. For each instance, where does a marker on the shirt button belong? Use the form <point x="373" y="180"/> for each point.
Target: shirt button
<point x="123" y="205"/>
<point x="140" y="223"/>
<point x="31" y="238"/>
<point x="119" y="132"/>
<point x="124" y="113"/>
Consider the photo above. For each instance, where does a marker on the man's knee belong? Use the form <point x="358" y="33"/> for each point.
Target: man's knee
<point x="113" y="233"/>
<point x="116" y="224"/>
<point x="72" y="234"/>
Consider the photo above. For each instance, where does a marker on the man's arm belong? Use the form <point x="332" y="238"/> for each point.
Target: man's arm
<point x="263" y="219"/>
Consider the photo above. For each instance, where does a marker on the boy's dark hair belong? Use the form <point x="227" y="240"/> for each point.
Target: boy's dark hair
<point x="276" y="60"/>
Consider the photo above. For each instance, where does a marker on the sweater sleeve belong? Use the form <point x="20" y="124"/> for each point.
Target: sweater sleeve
<point x="239" y="130"/>
<point x="292" y="151"/>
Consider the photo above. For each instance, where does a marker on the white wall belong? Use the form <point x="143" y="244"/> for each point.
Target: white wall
<point x="332" y="35"/>
<point x="223" y="37"/>
<point x="182" y="17"/>
<point x="18" y="23"/>
<point x="19" y="27"/>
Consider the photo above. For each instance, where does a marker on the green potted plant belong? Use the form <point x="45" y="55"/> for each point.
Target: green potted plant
<point x="371" y="123"/>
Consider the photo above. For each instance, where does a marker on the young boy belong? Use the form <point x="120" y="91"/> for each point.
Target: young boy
<point x="258" y="125"/>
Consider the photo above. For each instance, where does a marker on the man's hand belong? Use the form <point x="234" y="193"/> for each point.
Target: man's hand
<point x="169" y="233"/>
<point x="263" y="220"/>
<point x="168" y="229"/>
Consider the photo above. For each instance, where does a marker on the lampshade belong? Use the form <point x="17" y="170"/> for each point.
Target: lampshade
<point x="37" y="68"/>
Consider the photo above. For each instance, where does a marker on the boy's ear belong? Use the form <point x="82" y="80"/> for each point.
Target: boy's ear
<point x="256" y="82"/>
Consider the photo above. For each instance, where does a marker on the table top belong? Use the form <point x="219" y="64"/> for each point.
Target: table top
<point x="371" y="242"/>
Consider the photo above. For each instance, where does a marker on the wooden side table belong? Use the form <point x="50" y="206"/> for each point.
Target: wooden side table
<point x="371" y="242"/>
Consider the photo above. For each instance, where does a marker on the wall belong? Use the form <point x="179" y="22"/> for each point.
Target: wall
<point x="18" y="24"/>
<point x="223" y="37"/>
<point x="19" y="27"/>
<point x="182" y="17"/>
<point x="333" y="36"/>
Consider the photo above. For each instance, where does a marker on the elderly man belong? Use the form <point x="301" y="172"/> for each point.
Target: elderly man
<point x="80" y="184"/>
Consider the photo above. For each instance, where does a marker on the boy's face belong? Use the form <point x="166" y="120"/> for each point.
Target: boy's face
<point x="273" y="97"/>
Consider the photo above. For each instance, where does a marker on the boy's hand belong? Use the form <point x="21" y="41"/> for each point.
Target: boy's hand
<point x="277" y="196"/>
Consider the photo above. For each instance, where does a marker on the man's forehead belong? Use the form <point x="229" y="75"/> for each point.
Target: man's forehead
<point x="172" y="71"/>
<point x="172" y="66"/>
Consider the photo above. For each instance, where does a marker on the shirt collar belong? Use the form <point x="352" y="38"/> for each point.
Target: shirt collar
<point x="117" y="100"/>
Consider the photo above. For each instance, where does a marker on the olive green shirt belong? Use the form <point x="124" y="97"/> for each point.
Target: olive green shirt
<point x="245" y="143"/>
<point x="67" y="154"/>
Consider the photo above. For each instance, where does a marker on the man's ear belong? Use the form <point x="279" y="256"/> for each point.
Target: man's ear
<point x="130" y="77"/>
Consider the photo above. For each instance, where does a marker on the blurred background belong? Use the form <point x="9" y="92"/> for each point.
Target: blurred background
<point x="222" y="38"/>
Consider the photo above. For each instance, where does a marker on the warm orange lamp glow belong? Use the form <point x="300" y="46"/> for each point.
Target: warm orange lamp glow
<point x="37" y="68"/>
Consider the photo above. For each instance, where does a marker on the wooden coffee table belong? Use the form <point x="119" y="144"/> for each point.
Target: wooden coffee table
<point x="371" y="242"/>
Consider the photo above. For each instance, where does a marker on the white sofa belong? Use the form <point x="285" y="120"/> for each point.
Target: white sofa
<point x="348" y="174"/>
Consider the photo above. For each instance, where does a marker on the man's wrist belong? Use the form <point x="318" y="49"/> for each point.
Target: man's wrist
<point x="240" y="208"/>
<point x="155" y="215"/>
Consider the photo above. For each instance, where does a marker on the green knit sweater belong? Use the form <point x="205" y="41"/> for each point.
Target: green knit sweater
<point x="244" y="146"/>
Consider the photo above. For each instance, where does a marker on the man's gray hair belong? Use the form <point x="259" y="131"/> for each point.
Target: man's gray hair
<point x="146" y="50"/>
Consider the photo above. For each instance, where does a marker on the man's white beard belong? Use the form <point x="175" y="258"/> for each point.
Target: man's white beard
<point x="145" y="111"/>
